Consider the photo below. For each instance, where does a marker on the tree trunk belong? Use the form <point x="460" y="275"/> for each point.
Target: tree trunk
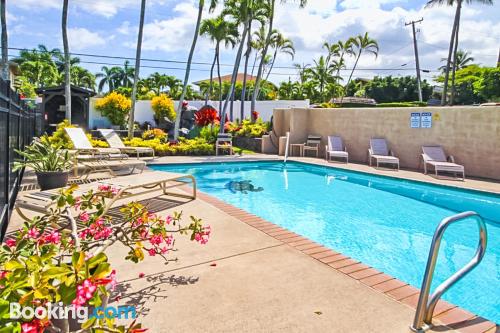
<point x="188" y="69"/>
<point x="211" y="79"/>
<point x="350" y="76"/>
<point x="136" y="71"/>
<point x="272" y="64"/>
<point x="67" y="67"/>
<point x="450" y="52"/>
<point x="220" y="79"/>
<point x="245" y="72"/>
<point x="452" y="96"/>
<point x="233" y="78"/>
<point x="263" y="57"/>
<point x="4" y="66"/>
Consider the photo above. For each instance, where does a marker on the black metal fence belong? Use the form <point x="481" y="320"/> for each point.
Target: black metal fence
<point x="18" y="126"/>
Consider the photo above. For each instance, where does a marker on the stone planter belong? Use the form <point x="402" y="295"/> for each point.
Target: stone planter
<point x="254" y="144"/>
<point x="52" y="179"/>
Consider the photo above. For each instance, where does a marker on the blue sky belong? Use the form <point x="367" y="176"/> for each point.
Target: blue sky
<point x="109" y="27"/>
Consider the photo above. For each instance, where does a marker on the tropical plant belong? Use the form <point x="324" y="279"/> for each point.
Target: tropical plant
<point x="207" y="115"/>
<point x="453" y="47"/>
<point x="463" y="59"/>
<point x="323" y="74"/>
<point x="219" y="30"/>
<point x="107" y="77"/>
<point x="209" y="133"/>
<point x="51" y="261"/>
<point x="360" y="44"/>
<point x="43" y="156"/>
<point x="201" y="5"/>
<point x="280" y="45"/>
<point x="115" y="107"/>
<point x="163" y="106"/>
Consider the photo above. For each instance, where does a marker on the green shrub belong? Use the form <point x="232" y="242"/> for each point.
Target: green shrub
<point x="197" y="146"/>
<point x="401" y="104"/>
<point x="209" y="133"/>
<point x="163" y="106"/>
<point x="249" y="129"/>
<point x="115" y="107"/>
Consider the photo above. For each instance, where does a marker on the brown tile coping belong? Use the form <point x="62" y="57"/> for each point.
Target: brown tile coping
<point x="445" y="313"/>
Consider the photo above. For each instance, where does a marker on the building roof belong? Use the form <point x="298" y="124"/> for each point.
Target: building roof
<point x="59" y="90"/>
<point x="227" y="78"/>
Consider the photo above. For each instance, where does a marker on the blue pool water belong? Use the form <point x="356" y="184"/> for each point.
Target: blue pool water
<point x="383" y="222"/>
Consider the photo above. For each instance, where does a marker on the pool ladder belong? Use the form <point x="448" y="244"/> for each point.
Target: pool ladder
<point x="425" y="307"/>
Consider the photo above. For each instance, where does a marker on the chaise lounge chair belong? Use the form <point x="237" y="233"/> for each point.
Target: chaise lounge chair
<point x="224" y="141"/>
<point x="91" y="166"/>
<point x="381" y="153"/>
<point x="336" y="148"/>
<point x="82" y="145"/>
<point x="127" y="186"/>
<point x="435" y="157"/>
<point x="312" y="144"/>
<point x="114" y="141"/>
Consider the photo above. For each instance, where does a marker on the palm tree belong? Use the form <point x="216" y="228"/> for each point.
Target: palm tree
<point x="362" y="43"/>
<point x="322" y="73"/>
<point x="283" y="45"/>
<point x="60" y="62"/>
<point x="81" y="77"/>
<point x="4" y="66"/>
<point x="345" y="49"/>
<point x="107" y="77"/>
<point x="258" y="43"/>
<point x="218" y="30"/>
<point x="271" y="13"/>
<point x="67" y="65"/>
<point x="463" y="60"/>
<point x="332" y="49"/>
<point x="157" y="82"/>
<point x="302" y="72"/>
<point x="452" y="51"/>
<point x="201" y="4"/>
<point x="136" y="70"/>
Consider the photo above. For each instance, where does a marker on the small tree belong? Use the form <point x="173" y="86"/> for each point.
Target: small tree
<point x="163" y="106"/>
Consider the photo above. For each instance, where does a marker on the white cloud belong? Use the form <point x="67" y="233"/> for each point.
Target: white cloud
<point x="106" y="8"/>
<point x="81" y="38"/>
<point x="124" y="28"/>
<point x="310" y="27"/>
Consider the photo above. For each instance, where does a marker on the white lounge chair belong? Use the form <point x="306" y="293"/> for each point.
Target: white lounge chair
<point x="116" y="142"/>
<point x="224" y="141"/>
<point x="82" y="145"/>
<point x="380" y="152"/>
<point x="127" y="186"/>
<point x="336" y="148"/>
<point x="435" y="157"/>
<point x="105" y="165"/>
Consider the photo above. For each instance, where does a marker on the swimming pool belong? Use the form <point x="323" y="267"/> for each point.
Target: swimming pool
<point x="383" y="222"/>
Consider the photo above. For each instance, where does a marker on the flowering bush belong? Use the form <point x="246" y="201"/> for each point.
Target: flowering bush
<point x="207" y="115"/>
<point x="155" y="133"/>
<point x="249" y="129"/>
<point x="163" y="106"/>
<point x="196" y="146"/>
<point x="50" y="260"/>
<point x="115" y="107"/>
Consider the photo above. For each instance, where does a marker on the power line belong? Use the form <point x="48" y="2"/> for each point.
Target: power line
<point x="185" y="62"/>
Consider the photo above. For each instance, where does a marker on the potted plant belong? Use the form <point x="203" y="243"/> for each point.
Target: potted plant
<point x="50" y="162"/>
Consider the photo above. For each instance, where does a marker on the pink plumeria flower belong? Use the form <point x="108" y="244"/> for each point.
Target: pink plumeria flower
<point x="33" y="233"/>
<point x="11" y="242"/>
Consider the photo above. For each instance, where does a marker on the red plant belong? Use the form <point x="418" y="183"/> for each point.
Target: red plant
<point x="255" y="115"/>
<point x="206" y="115"/>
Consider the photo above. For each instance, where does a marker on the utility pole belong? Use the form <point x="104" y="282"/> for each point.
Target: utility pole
<point x="417" y="63"/>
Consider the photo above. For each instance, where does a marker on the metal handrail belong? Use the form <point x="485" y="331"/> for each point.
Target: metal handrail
<point x="287" y="145"/>
<point x="425" y="308"/>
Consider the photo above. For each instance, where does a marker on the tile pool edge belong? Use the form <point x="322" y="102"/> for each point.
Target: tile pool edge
<point x="340" y="168"/>
<point x="447" y="314"/>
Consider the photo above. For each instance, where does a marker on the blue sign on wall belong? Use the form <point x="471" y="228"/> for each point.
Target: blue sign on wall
<point x="426" y="120"/>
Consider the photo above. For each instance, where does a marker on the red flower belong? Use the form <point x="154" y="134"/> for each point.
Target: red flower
<point x="255" y="115"/>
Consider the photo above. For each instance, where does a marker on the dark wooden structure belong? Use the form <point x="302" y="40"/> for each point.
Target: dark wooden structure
<point x="53" y="106"/>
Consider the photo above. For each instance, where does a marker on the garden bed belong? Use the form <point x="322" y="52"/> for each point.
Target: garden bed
<point x="253" y="144"/>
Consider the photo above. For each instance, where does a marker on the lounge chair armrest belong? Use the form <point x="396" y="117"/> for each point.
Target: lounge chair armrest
<point x="451" y="159"/>
<point x="426" y="158"/>
<point x="392" y="153"/>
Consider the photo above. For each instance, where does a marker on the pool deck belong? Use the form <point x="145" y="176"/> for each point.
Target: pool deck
<point x="254" y="276"/>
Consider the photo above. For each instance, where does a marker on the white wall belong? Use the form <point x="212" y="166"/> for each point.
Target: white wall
<point x="144" y="112"/>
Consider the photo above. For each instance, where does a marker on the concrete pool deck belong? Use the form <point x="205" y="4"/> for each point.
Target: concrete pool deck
<point x="254" y="276"/>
